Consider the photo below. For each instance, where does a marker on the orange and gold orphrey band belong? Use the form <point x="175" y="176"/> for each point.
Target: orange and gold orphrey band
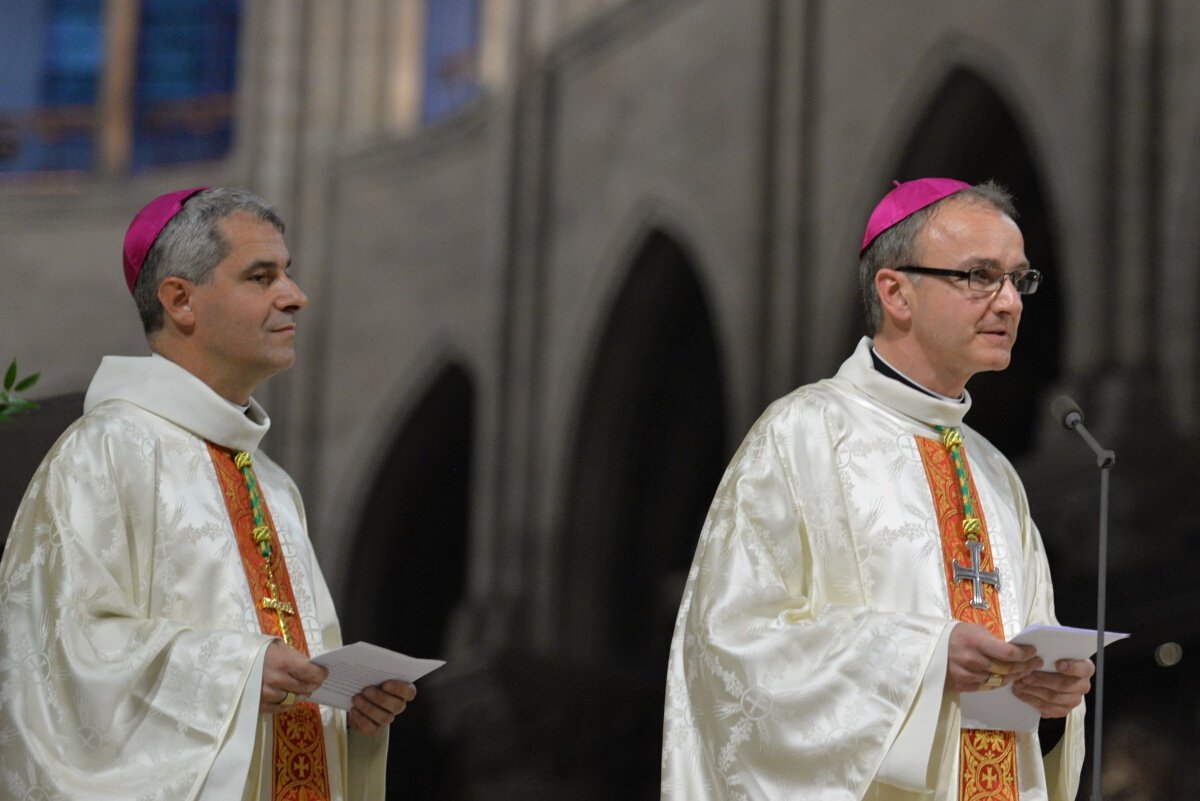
<point x="299" y="768"/>
<point x="988" y="764"/>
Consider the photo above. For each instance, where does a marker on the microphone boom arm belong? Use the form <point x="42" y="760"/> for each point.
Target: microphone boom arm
<point x="1104" y="457"/>
<point x="1067" y="412"/>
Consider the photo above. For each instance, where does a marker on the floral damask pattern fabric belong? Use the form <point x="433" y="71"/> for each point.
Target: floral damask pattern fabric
<point x="809" y="651"/>
<point x="127" y="629"/>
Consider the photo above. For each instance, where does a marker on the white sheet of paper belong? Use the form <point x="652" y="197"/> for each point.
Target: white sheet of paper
<point x="354" y="667"/>
<point x="1000" y="709"/>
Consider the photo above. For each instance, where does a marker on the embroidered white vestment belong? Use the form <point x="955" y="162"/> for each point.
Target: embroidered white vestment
<point x="809" y="654"/>
<point x="130" y="651"/>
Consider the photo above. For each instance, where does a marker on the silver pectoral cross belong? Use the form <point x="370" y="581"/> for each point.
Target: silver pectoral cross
<point x="976" y="576"/>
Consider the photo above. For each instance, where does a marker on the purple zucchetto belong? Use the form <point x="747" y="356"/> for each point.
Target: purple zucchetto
<point x="907" y="198"/>
<point x="147" y="225"/>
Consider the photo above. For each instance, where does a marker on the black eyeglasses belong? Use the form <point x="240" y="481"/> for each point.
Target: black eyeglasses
<point x="985" y="279"/>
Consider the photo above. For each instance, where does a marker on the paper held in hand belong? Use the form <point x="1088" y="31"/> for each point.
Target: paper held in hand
<point x="355" y="667"/>
<point x="1000" y="709"/>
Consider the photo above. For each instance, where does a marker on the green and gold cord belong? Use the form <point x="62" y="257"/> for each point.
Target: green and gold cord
<point x="952" y="439"/>
<point x="262" y="532"/>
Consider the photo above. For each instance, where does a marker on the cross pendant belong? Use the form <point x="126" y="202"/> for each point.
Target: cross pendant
<point x="280" y="608"/>
<point x="276" y="605"/>
<point x="976" y="576"/>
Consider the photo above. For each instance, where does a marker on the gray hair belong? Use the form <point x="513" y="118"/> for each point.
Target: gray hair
<point x="191" y="245"/>
<point x="896" y="246"/>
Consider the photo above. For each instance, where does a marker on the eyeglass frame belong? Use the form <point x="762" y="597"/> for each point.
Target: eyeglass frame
<point x="966" y="274"/>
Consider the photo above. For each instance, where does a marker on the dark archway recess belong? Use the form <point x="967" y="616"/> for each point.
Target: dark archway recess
<point x="968" y="132"/>
<point x="408" y="565"/>
<point x="650" y="450"/>
<point x="24" y="441"/>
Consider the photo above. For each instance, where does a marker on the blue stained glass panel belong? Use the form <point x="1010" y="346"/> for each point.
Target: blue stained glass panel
<point x="451" y="57"/>
<point x="53" y="57"/>
<point x="187" y="73"/>
<point x="52" y="62"/>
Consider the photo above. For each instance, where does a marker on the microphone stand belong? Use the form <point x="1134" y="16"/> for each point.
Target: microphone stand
<point x="1104" y="460"/>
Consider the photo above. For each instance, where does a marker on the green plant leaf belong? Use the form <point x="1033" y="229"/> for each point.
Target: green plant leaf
<point x="27" y="382"/>
<point x="10" y="377"/>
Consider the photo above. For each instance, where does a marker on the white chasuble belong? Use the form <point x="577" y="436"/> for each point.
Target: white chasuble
<point x="809" y="655"/>
<point x="130" y="650"/>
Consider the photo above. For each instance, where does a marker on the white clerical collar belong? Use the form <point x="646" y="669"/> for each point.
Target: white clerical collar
<point x="928" y="409"/>
<point x="895" y="372"/>
<point x="243" y="408"/>
<point x="162" y="387"/>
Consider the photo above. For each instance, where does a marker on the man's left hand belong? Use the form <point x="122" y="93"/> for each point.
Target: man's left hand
<point x="1056" y="694"/>
<point x="376" y="707"/>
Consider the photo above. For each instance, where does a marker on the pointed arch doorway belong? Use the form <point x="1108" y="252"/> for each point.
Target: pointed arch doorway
<point x="408" y="564"/>
<point x="649" y="452"/>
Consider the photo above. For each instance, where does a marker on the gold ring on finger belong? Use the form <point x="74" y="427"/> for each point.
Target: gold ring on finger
<point x="994" y="681"/>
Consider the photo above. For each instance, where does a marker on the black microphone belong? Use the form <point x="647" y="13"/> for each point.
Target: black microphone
<point x="1067" y="412"/>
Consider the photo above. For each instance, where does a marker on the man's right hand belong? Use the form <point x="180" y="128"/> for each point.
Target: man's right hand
<point x="978" y="660"/>
<point x="288" y="678"/>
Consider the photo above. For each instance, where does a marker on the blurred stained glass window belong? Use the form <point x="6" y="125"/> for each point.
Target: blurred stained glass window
<point x="50" y="59"/>
<point x="186" y="72"/>
<point x="451" y="57"/>
<point x="53" y="67"/>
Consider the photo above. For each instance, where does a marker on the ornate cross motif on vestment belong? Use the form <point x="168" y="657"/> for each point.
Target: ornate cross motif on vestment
<point x="976" y="576"/>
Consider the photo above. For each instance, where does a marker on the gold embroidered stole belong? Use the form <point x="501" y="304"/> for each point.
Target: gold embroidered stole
<point x="988" y="761"/>
<point x="299" y="768"/>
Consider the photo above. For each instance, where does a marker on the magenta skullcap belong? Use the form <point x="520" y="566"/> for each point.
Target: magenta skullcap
<point x="146" y="227"/>
<point x="906" y="199"/>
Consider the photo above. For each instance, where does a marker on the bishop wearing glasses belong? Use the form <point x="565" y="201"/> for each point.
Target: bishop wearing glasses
<point x="868" y="554"/>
